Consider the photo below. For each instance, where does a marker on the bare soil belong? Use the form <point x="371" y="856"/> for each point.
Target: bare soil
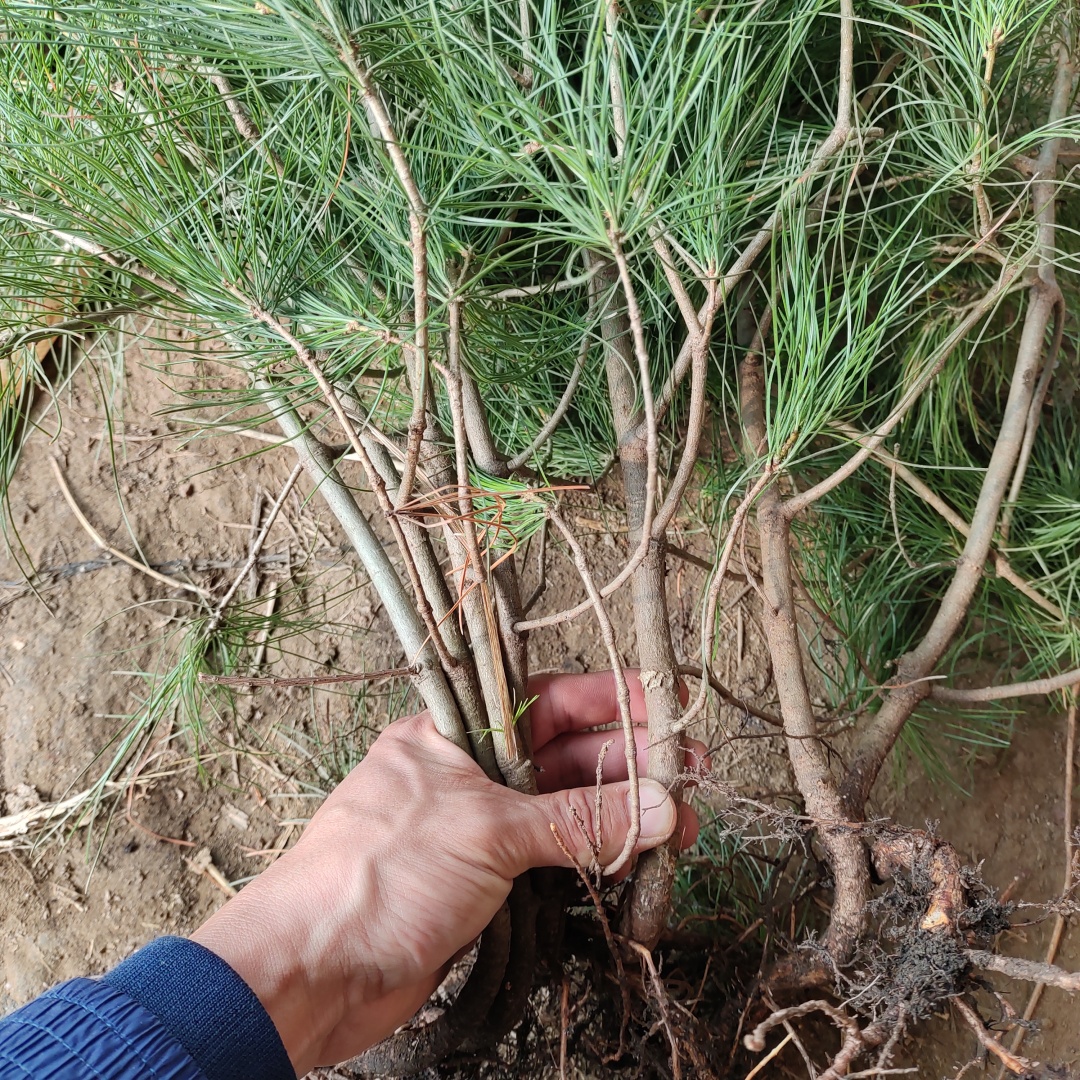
<point x="71" y="654"/>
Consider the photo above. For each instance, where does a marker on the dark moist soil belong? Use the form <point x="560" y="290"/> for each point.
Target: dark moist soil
<point x="70" y="658"/>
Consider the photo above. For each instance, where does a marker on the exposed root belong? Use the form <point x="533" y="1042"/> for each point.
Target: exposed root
<point x="517" y="981"/>
<point x="1014" y="1063"/>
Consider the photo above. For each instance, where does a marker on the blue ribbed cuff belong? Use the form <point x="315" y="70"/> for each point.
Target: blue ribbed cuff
<point x="207" y="1008"/>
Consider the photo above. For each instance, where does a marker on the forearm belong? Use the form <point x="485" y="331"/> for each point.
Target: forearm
<point x="173" y="1009"/>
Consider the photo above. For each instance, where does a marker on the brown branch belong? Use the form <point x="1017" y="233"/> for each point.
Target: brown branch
<point x="694" y="329"/>
<point x="512" y="757"/>
<point x="871" y="442"/>
<point x="1021" y="1066"/>
<point x="1010" y="690"/>
<point x="914" y="668"/>
<point x="696" y="672"/>
<point x="1027" y="970"/>
<point x="245" y="125"/>
<point x="843" y="847"/>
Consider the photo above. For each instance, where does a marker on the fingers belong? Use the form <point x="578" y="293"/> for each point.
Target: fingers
<point x="688" y="827"/>
<point x="578" y="702"/>
<point x="687" y="832"/>
<point x="570" y="760"/>
<point x="527" y="839"/>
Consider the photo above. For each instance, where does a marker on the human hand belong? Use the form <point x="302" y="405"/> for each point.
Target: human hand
<point x="348" y="933"/>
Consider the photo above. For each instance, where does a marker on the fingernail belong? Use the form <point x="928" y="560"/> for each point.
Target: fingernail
<point x="658" y="812"/>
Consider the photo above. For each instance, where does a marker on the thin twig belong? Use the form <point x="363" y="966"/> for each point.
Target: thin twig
<point x="769" y="1056"/>
<point x="256" y="548"/>
<point x="871" y="442"/>
<point x="1009" y="690"/>
<point x="895" y="523"/>
<point x="697" y="672"/>
<point x="708" y="627"/>
<point x="605" y="925"/>
<point x="564" y="1009"/>
<point x="560" y="410"/>
<point x="615" y="82"/>
<point x="10" y="340"/>
<point x="306" y="680"/>
<point x="828" y="149"/>
<point x="1021" y="1066"/>
<point x="622" y="691"/>
<point x="695" y="428"/>
<point x="245" y="125"/>
<point x="1002" y="567"/>
<point x="203" y="863"/>
<point x="100" y="541"/>
<point x="521" y="291"/>
<point x="660" y="994"/>
<point x="89" y="247"/>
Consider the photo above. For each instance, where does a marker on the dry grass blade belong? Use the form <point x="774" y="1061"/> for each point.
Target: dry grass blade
<point x="98" y="539"/>
<point x="1067" y="885"/>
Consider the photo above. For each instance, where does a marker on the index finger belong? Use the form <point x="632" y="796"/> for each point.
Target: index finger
<point x="568" y="703"/>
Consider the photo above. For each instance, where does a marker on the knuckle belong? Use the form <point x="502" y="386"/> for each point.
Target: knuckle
<point x="582" y="830"/>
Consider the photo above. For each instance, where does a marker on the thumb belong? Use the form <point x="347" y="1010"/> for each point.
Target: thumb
<point x="573" y="813"/>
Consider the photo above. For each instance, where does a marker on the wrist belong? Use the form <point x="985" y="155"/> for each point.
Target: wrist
<point x="271" y="936"/>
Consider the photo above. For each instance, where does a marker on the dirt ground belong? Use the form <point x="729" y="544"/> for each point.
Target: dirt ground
<point x="74" y="656"/>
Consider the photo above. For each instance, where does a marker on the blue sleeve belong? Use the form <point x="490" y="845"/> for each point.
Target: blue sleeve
<point x="173" y="1011"/>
